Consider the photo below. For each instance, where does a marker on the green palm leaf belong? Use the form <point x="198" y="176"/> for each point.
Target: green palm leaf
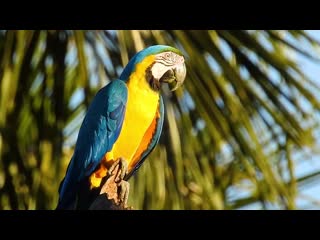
<point x="230" y="133"/>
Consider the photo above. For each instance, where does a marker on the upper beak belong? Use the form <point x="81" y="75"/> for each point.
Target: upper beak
<point x="180" y="75"/>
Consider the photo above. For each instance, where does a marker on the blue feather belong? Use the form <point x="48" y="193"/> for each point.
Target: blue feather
<point x="99" y="131"/>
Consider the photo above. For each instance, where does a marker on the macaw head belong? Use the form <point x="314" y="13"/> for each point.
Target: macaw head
<point x="162" y="64"/>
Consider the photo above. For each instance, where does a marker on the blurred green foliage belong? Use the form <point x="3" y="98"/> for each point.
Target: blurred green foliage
<point x="235" y="123"/>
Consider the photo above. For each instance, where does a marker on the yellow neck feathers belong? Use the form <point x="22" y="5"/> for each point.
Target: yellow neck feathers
<point x="141" y="110"/>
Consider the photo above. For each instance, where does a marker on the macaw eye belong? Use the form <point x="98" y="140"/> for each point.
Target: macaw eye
<point x="167" y="55"/>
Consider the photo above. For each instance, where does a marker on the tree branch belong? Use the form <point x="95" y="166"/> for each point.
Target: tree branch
<point x="103" y="203"/>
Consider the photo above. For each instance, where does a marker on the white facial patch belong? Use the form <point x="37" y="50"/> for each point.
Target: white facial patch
<point x="158" y="69"/>
<point x="164" y="62"/>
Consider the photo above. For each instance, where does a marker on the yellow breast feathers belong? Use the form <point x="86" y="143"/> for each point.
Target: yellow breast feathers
<point x="141" y="111"/>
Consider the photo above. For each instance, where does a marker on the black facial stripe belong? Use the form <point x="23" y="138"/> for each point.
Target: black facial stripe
<point x="166" y="63"/>
<point x="154" y="83"/>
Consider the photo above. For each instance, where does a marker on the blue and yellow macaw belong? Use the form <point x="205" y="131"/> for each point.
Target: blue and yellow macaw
<point x="124" y="121"/>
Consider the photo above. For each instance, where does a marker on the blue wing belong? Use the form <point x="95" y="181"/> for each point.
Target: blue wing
<point x="154" y="141"/>
<point x="99" y="131"/>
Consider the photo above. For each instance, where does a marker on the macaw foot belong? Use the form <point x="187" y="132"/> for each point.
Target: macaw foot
<point x="119" y="168"/>
<point x="115" y="187"/>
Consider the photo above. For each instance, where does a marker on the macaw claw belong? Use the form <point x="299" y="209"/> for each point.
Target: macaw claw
<point x="124" y="187"/>
<point x="115" y="187"/>
<point x="120" y="167"/>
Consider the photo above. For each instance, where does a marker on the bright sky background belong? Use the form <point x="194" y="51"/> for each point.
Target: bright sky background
<point x="309" y="194"/>
<point x="311" y="164"/>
